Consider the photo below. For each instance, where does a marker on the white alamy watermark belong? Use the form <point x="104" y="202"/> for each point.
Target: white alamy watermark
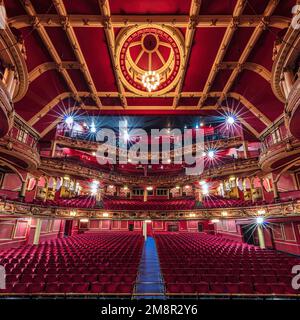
<point x="296" y="19"/>
<point x="161" y="146"/>
<point x="2" y="278"/>
<point x="296" y="279"/>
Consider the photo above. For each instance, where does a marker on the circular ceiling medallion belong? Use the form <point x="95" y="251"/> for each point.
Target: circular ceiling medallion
<point x="143" y="49"/>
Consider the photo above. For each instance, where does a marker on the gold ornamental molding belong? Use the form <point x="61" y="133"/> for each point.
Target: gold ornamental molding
<point x="285" y="152"/>
<point x="49" y="45"/>
<point x="237" y="12"/>
<point x="129" y="69"/>
<point x="177" y="21"/>
<point x="242" y="167"/>
<point x="285" y="58"/>
<point x="249" y="47"/>
<point x="280" y="210"/>
<point x="189" y="36"/>
<point x="61" y="10"/>
<point x="110" y="37"/>
<point x="47" y="66"/>
<point x="12" y="55"/>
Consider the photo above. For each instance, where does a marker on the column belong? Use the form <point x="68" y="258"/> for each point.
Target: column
<point x="145" y="195"/>
<point x="246" y="150"/>
<point x="275" y="189"/>
<point x="168" y="193"/>
<point x="37" y="232"/>
<point x="23" y="189"/>
<point x="289" y="79"/>
<point x="9" y="79"/>
<point x="36" y="187"/>
<point x="145" y="230"/>
<point x="53" y="148"/>
<point x="261" y="237"/>
<point x="284" y="87"/>
<point x="262" y="188"/>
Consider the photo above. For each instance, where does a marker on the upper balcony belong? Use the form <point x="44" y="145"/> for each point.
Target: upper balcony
<point x="94" y="171"/>
<point x="279" y="148"/>
<point x="13" y="76"/>
<point x="19" y="146"/>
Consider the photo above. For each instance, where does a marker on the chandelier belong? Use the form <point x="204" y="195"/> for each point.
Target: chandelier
<point x="151" y="80"/>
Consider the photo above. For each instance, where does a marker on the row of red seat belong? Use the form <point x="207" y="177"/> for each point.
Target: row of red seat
<point x="107" y="262"/>
<point x="200" y="263"/>
<point x="149" y="205"/>
<point x="77" y="202"/>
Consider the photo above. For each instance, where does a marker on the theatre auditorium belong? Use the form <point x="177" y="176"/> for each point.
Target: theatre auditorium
<point x="150" y="149"/>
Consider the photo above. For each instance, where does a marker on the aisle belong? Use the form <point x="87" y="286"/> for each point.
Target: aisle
<point x="149" y="278"/>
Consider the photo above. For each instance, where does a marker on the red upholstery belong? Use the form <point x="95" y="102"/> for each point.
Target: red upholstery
<point x="199" y="263"/>
<point x="91" y="263"/>
<point x="78" y="202"/>
<point x="125" y="204"/>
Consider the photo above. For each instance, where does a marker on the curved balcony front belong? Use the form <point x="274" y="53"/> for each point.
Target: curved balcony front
<point x="286" y="55"/>
<point x="6" y="111"/>
<point x="292" y="110"/>
<point x="19" y="146"/>
<point x="285" y="209"/>
<point x="64" y="166"/>
<point x="280" y="154"/>
<point x="14" y="70"/>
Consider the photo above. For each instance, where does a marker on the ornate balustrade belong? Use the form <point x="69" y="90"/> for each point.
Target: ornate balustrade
<point x="292" y="110"/>
<point x="94" y="146"/>
<point x="13" y="77"/>
<point x="286" y="209"/>
<point x="279" y="153"/>
<point x="72" y="168"/>
<point x="286" y="55"/>
<point x="19" y="146"/>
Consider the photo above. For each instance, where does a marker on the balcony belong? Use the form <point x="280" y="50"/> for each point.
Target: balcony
<point x="293" y="110"/>
<point x="6" y="111"/>
<point x="19" y="146"/>
<point x="284" y="209"/>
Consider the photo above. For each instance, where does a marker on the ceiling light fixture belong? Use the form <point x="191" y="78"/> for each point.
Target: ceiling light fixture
<point x="230" y="120"/>
<point x="151" y="80"/>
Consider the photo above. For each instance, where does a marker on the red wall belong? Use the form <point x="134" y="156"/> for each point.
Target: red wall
<point x="156" y="225"/>
<point x="286" y="235"/>
<point x="229" y="230"/>
<point x="15" y="232"/>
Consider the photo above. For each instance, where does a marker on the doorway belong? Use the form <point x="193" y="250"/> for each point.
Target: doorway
<point x="130" y="227"/>
<point x="68" y="228"/>
<point x="200" y="227"/>
<point x="248" y="233"/>
<point x="173" y="227"/>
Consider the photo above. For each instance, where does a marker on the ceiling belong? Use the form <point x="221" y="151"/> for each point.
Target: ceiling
<point x="74" y="58"/>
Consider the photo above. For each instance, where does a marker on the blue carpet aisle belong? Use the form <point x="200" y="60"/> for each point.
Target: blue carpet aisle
<point x="149" y="279"/>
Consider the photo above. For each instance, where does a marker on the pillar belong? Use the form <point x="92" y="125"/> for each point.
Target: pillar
<point x="261" y="237"/>
<point x="23" y="189"/>
<point x="37" y="232"/>
<point x="262" y="188"/>
<point x="275" y="189"/>
<point x="168" y="193"/>
<point x="53" y="148"/>
<point x="246" y="150"/>
<point x="285" y="89"/>
<point x="289" y="79"/>
<point x="145" y="195"/>
<point x="145" y="230"/>
<point x="9" y="79"/>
